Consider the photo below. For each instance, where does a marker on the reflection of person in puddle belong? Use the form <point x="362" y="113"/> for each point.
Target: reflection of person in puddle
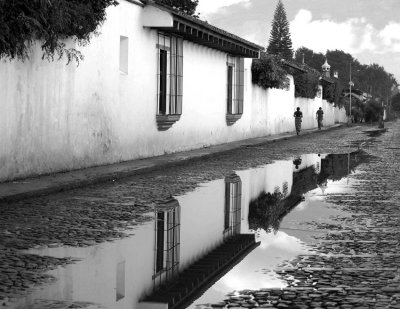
<point x="297" y="162"/>
<point x="323" y="185"/>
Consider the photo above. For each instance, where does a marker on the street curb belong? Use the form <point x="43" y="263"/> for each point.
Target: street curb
<point x="48" y="184"/>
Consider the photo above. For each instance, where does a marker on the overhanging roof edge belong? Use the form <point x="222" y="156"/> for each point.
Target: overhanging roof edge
<point x="219" y="32"/>
<point x="202" y="26"/>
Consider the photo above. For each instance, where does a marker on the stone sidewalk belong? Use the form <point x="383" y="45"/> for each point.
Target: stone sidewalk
<point x="47" y="184"/>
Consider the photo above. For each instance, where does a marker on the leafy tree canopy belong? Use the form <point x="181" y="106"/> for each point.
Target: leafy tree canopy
<point x="267" y="72"/>
<point x="396" y="102"/>
<point x="280" y="42"/>
<point x="22" y="22"/>
<point x="306" y="84"/>
<point x="185" y="6"/>
<point x="372" y="111"/>
<point x="372" y="78"/>
<point x="314" y="60"/>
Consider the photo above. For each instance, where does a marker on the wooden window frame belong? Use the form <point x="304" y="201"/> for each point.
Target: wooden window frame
<point x="169" y="80"/>
<point x="235" y="89"/>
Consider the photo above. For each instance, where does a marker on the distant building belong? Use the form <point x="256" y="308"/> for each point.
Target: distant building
<point x="358" y="94"/>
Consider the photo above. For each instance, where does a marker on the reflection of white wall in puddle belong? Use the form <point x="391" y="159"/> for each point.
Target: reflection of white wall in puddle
<point x="119" y="274"/>
<point x="104" y="270"/>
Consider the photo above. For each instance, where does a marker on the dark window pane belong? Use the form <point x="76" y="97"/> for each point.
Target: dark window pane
<point x="230" y="87"/>
<point x="160" y="242"/>
<point x="163" y="82"/>
<point x="227" y="205"/>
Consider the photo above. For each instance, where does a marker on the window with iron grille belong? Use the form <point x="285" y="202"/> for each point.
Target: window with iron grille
<point x="233" y="202"/>
<point x="170" y="74"/>
<point x="235" y="85"/>
<point x="167" y="242"/>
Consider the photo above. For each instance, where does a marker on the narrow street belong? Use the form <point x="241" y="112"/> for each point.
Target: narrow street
<point x="324" y="209"/>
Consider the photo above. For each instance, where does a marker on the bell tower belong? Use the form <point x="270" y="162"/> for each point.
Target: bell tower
<point x="326" y="68"/>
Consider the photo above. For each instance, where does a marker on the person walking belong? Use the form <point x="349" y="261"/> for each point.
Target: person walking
<point x="320" y="117"/>
<point x="297" y="119"/>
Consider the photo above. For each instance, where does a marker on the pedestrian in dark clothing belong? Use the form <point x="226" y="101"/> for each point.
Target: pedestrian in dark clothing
<point x="297" y="120"/>
<point x="320" y="117"/>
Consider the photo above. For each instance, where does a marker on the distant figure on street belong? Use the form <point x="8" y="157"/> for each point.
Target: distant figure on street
<point x="297" y="119"/>
<point x="320" y="117"/>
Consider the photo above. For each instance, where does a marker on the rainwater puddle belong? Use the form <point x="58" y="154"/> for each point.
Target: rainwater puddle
<point x="375" y="132"/>
<point x="225" y="236"/>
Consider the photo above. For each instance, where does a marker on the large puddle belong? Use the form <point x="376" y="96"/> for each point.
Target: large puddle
<point x="274" y="203"/>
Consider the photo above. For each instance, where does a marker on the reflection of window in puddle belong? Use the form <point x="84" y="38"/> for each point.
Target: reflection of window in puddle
<point x="167" y="241"/>
<point x="318" y="168"/>
<point x="233" y="198"/>
<point x="285" y="188"/>
<point x="120" y="290"/>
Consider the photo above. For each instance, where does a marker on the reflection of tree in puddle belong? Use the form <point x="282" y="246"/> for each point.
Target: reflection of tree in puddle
<point x="268" y="209"/>
<point x="336" y="166"/>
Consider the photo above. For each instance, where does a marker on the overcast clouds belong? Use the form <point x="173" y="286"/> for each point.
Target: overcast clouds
<point x="368" y="29"/>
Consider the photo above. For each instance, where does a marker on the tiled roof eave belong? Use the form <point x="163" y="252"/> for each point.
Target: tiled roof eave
<point x="200" y="32"/>
<point x="326" y="81"/>
<point x="294" y="66"/>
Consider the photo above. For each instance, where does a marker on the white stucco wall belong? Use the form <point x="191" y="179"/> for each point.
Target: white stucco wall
<point x="202" y="221"/>
<point x="94" y="277"/>
<point x="59" y="117"/>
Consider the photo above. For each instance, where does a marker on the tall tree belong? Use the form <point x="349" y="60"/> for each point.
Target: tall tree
<point x="280" y="42"/>
<point x="185" y="6"/>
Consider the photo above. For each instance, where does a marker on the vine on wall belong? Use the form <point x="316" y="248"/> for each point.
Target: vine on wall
<point x="333" y="93"/>
<point x="267" y="72"/>
<point x="306" y="84"/>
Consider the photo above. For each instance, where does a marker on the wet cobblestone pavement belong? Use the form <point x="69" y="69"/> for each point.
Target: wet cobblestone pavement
<point x="355" y="265"/>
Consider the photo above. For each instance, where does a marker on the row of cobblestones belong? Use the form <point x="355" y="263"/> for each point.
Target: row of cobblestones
<point x="356" y="262"/>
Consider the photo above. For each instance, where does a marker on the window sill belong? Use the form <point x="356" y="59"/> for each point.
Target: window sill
<point x="164" y="122"/>
<point x="232" y="118"/>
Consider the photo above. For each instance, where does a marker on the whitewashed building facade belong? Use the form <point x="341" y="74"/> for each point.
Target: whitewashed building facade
<point x="154" y="81"/>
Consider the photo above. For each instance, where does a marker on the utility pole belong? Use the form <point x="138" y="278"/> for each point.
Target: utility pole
<point x="388" y="89"/>
<point x="351" y="84"/>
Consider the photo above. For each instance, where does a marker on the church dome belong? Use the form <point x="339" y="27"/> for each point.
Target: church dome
<point x="326" y="67"/>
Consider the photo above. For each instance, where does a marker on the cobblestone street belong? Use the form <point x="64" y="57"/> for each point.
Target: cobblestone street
<point x="355" y="263"/>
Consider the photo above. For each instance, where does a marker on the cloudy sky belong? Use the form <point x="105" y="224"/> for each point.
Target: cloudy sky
<point x="367" y="29"/>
